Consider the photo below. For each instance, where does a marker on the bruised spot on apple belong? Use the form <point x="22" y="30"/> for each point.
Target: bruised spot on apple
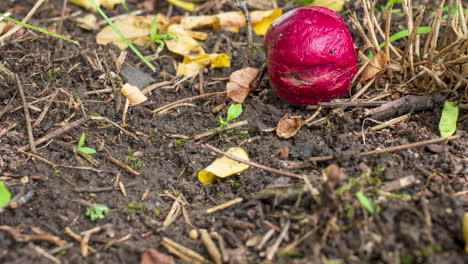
<point x="310" y="56"/>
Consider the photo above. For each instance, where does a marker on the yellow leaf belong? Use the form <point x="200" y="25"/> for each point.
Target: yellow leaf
<point x="335" y="5"/>
<point x="183" y="44"/>
<point x="88" y="22"/>
<point x="190" y="22"/>
<point x="261" y="20"/>
<point x="185" y="5"/>
<point x="188" y="69"/>
<point x="220" y="60"/>
<point x="111" y="3"/>
<point x="88" y="5"/>
<point x="224" y="167"/>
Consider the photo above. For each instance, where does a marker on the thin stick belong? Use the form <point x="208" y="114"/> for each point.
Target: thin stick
<point x="243" y="6"/>
<point x="219" y="130"/>
<point x="123" y="166"/>
<point x="223" y="206"/>
<point x="18" y="27"/>
<point x="55" y="133"/>
<point x="253" y="164"/>
<point x="391" y="149"/>
<point x="185" y="100"/>
<point x="26" y="114"/>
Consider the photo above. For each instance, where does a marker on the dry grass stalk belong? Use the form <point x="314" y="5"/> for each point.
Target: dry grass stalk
<point x="436" y="62"/>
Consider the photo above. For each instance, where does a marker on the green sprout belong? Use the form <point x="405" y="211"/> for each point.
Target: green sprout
<point x="234" y="111"/>
<point x="97" y="211"/>
<point x="390" y="4"/>
<point x="38" y="29"/>
<point x="365" y="202"/>
<point x="134" y="208"/>
<point x="5" y="195"/>
<point x="158" y="38"/>
<point x="122" y="36"/>
<point x="52" y="74"/>
<point x="131" y="161"/>
<point x="81" y="149"/>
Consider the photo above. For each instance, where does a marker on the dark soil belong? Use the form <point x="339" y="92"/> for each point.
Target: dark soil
<point x="424" y="229"/>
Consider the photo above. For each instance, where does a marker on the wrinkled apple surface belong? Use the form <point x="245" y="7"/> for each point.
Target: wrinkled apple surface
<point x="310" y="56"/>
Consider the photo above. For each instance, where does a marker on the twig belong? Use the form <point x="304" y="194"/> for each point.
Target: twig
<point x="55" y="133"/>
<point x="219" y="130"/>
<point x="210" y="246"/>
<point x="123" y="166"/>
<point x="253" y="164"/>
<point x="45" y="254"/>
<point x="243" y="6"/>
<point x="45" y="110"/>
<point x="102" y="189"/>
<point x="282" y="236"/>
<point x="184" y="100"/>
<point x="391" y="149"/>
<point x="18" y="27"/>
<point x="183" y="252"/>
<point x="26" y="114"/>
<point x="58" y="165"/>
<point x="223" y="206"/>
<point x="351" y="103"/>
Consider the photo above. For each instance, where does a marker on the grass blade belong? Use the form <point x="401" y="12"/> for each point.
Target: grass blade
<point x="121" y="35"/>
<point x="39" y="29"/>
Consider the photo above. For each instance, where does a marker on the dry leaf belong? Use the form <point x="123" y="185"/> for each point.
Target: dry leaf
<point x="238" y="86"/>
<point x="152" y="256"/>
<point x="136" y="28"/>
<point x="232" y="21"/>
<point x="335" y="5"/>
<point x="133" y="94"/>
<point x="288" y="127"/>
<point x="105" y="3"/>
<point x="224" y="167"/>
<point x="376" y="66"/>
<point x="260" y="4"/>
<point x="88" y="22"/>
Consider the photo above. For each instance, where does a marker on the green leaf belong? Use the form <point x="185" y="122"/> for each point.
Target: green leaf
<point x="305" y="2"/>
<point x="234" y="111"/>
<point x="222" y="122"/>
<point x="97" y="211"/>
<point x="402" y="34"/>
<point x="390" y="3"/>
<point x="87" y="150"/>
<point x="154" y="29"/>
<point x="365" y="202"/>
<point x="448" y="119"/>
<point x="5" y="195"/>
<point x="81" y="141"/>
<point x="454" y="11"/>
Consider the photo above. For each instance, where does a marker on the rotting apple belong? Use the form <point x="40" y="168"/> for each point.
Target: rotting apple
<point x="310" y="56"/>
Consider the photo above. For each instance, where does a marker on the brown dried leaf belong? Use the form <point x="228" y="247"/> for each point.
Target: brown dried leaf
<point x="238" y="88"/>
<point x="288" y="126"/>
<point x="152" y="256"/>
<point x="133" y="94"/>
<point x="376" y="66"/>
<point x="237" y="92"/>
<point x="244" y="76"/>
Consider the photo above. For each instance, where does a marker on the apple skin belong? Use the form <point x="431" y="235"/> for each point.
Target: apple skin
<point x="310" y="56"/>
